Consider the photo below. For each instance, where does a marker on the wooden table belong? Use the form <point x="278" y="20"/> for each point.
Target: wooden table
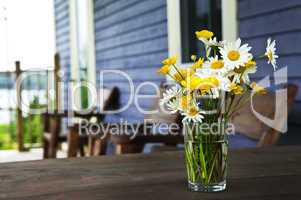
<point x="270" y="173"/>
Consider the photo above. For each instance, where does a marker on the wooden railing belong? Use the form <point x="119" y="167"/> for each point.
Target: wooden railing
<point x="34" y="89"/>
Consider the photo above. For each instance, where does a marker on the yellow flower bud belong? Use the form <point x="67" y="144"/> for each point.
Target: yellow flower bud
<point x="204" y="34"/>
<point x="198" y="64"/>
<point x="236" y="89"/>
<point x="170" y="61"/>
<point x="258" y="89"/>
<point x="164" y="69"/>
<point x="193" y="58"/>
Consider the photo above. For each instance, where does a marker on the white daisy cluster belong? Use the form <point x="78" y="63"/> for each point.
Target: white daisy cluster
<point x="225" y="67"/>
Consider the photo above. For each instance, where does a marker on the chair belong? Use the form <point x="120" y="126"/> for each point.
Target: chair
<point x="147" y="132"/>
<point x="254" y="132"/>
<point x="52" y="128"/>
<point x="51" y="138"/>
<point x="251" y="129"/>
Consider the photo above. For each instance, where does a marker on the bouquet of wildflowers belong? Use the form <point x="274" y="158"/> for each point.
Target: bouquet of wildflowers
<point x="225" y="67"/>
<point x="218" y="80"/>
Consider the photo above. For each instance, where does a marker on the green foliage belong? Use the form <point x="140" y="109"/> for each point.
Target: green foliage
<point x="32" y="127"/>
<point x="7" y="136"/>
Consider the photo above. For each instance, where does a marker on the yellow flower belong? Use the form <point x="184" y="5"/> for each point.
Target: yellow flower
<point x="258" y="89"/>
<point x="170" y="61"/>
<point x="208" y="83"/>
<point x="198" y="64"/>
<point x="247" y="65"/>
<point x="250" y="63"/>
<point x="164" y="69"/>
<point x="204" y="34"/>
<point x="203" y="84"/>
<point x="236" y="89"/>
<point x="192" y="83"/>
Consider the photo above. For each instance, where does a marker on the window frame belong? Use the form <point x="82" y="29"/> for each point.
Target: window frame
<point x="229" y="26"/>
<point x="74" y="56"/>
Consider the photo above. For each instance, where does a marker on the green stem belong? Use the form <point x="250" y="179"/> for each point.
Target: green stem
<point x="178" y="72"/>
<point x="212" y="167"/>
<point x="203" y="162"/>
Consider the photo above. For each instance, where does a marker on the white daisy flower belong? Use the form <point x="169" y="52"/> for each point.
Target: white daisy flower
<point x="224" y="83"/>
<point x="271" y="53"/>
<point x="170" y="94"/>
<point x="173" y="105"/>
<point x="235" y="55"/>
<point x="205" y="71"/>
<point x="242" y="73"/>
<point x="216" y="66"/>
<point x="214" y="43"/>
<point x="193" y="115"/>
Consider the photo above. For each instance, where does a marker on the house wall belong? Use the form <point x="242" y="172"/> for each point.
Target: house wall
<point x="258" y="20"/>
<point x="62" y="33"/>
<point x="131" y="35"/>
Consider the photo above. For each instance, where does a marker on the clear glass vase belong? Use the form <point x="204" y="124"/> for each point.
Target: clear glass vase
<point x="206" y="151"/>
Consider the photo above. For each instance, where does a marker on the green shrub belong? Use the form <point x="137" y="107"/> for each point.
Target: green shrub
<point x="32" y="128"/>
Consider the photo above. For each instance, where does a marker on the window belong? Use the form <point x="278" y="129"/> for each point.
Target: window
<point x="187" y="16"/>
<point x="197" y="15"/>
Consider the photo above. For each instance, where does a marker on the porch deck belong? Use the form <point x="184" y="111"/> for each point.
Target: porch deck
<point x="33" y="154"/>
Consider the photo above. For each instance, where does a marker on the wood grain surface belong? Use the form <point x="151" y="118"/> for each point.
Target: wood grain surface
<point x="263" y="173"/>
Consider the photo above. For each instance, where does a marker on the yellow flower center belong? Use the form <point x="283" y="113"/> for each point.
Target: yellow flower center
<point x="193" y="111"/>
<point x="233" y="55"/>
<point x="217" y="64"/>
<point x="270" y="55"/>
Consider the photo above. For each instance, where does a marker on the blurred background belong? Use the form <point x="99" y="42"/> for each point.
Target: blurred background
<point x="128" y="35"/>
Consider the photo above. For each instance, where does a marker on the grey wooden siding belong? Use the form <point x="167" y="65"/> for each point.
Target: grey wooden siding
<point x="131" y="36"/>
<point x="62" y="33"/>
<point x="280" y="19"/>
<point x="61" y="9"/>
